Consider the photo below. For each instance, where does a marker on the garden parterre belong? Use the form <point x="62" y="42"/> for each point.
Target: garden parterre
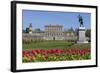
<point x="42" y="55"/>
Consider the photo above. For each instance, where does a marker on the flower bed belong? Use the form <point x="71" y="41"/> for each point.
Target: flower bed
<point x="41" y="55"/>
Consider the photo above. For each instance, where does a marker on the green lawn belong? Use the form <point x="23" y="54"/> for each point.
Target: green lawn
<point x="53" y="44"/>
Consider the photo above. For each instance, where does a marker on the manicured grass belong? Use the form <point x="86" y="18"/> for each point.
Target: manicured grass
<point x="81" y="46"/>
<point x="47" y="45"/>
<point x="53" y="44"/>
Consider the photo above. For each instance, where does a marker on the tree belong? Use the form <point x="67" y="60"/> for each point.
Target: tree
<point x="88" y="34"/>
<point x="23" y="31"/>
<point x="27" y="30"/>
<point x="37" y="30"/>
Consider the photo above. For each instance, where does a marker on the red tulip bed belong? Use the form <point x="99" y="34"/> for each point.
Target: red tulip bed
<point x="40" y="55"/>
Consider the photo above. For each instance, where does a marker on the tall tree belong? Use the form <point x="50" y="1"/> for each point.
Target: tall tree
<point x="88" y="34"/>
<point x="27" y="30"/>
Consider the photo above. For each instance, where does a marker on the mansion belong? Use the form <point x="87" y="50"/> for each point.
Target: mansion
<point x="51" y="32"/>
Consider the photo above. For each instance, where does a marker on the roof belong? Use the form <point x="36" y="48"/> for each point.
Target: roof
<point x="53" y="25"/>
<point x="37" y="30"/>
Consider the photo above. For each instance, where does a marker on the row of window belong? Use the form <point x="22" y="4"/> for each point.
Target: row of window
<point x="53" y="29"/>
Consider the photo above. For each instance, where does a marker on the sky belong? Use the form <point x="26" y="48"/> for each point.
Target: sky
<point x="41" y="18"/>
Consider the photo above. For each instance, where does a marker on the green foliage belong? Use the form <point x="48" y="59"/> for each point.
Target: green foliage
<point x="88" y="33"/>
<point x="41" y="58"/>
<point x="25" y="59"/>
<point x="27" y="30"/>
<point x="87" y="56"/>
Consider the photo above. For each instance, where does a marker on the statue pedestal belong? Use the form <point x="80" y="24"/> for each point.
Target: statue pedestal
<point x="81" y="35"/>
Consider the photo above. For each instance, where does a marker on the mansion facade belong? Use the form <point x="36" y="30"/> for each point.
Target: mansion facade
<point x="51" y="32"/>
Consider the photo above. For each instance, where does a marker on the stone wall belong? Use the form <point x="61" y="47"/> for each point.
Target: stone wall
<point x="41" y="36"/>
